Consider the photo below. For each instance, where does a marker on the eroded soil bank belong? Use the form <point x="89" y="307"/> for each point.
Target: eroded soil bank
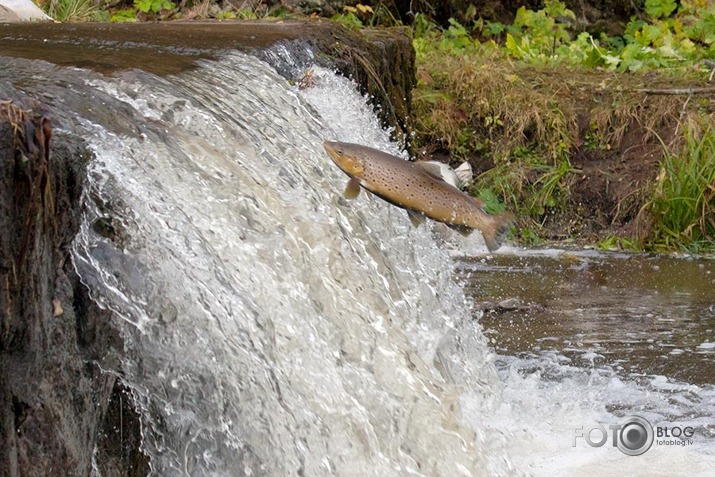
<point x="577" y="154"/>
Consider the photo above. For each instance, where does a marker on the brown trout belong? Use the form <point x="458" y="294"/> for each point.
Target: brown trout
<point x="418" y="188"/>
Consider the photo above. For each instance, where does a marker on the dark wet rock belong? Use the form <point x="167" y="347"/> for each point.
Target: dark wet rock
<point x="508" y="305"/>
<point x="40" y="368"/>
<point x="54" y="340"/>
<point x="119" y="444"/>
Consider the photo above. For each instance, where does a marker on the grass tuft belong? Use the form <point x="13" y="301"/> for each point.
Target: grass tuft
<point x="72" y="10"/>
<point x="683" y="201"/>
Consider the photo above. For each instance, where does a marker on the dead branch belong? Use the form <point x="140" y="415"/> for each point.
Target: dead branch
<point x="676" y="91"/>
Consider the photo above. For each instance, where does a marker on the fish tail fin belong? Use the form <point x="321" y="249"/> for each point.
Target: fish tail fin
<point x="497" y="229"/>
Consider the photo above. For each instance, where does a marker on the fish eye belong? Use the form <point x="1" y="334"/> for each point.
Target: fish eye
<point x="340" y="152"/>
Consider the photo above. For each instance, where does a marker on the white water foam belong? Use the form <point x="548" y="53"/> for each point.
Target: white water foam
<point x="272" y="327"/>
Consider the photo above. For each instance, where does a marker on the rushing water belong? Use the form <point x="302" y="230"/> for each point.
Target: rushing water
<point x="273" y="328"/>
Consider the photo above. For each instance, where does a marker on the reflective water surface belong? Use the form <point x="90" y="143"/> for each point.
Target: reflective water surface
<point x="641" y="315"/>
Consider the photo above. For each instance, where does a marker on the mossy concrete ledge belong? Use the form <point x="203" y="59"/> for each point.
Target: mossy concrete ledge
<point x="381" y="61"/>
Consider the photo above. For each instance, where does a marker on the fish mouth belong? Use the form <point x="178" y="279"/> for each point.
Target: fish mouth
<point x="342" y="155"/>
<point x="332" y="149"/>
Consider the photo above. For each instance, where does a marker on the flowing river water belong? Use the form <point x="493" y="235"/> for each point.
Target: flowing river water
<point x="273" y="328"/>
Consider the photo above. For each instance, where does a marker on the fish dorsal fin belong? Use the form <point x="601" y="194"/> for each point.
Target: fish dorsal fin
<point x="416" y="218"/>
<point x="440" y="171"/>
<point x="352" y="189"/>
<point x="464" y="173"/>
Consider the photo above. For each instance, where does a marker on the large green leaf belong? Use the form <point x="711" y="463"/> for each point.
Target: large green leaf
<point x="660" y="8"/>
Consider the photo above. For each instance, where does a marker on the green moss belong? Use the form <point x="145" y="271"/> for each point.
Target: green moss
<point x="613" y="243"/>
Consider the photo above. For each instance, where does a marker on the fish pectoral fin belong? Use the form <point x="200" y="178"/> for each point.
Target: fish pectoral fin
<point x="463" y="230"/>
<point x="416" y="218"/>
<point x="352" y="189"/>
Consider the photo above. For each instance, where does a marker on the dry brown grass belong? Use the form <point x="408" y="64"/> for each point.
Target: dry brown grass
<point x="510" y="104"/>
<point x="528" y="124"/>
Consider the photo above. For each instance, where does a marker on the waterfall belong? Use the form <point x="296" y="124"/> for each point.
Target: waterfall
<point x="270" y="326"/>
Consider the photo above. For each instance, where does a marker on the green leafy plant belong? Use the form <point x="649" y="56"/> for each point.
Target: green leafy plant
<point x="489" y="29"/>
<point x="252" y="10"/>
<point x="660" y="8"/>
<point x="354" y="17"/>
<point x="492" y="204"/>
<point x="671" y="37"/>
<point x="228" y="15"/>
<point x="538" y="34"/>
<point x="153" y="6"/>
<point x="424" y="28"/>
<point x="530" y="236"/>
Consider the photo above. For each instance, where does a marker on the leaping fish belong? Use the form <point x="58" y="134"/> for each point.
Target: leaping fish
<point x="419" y="188"/>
